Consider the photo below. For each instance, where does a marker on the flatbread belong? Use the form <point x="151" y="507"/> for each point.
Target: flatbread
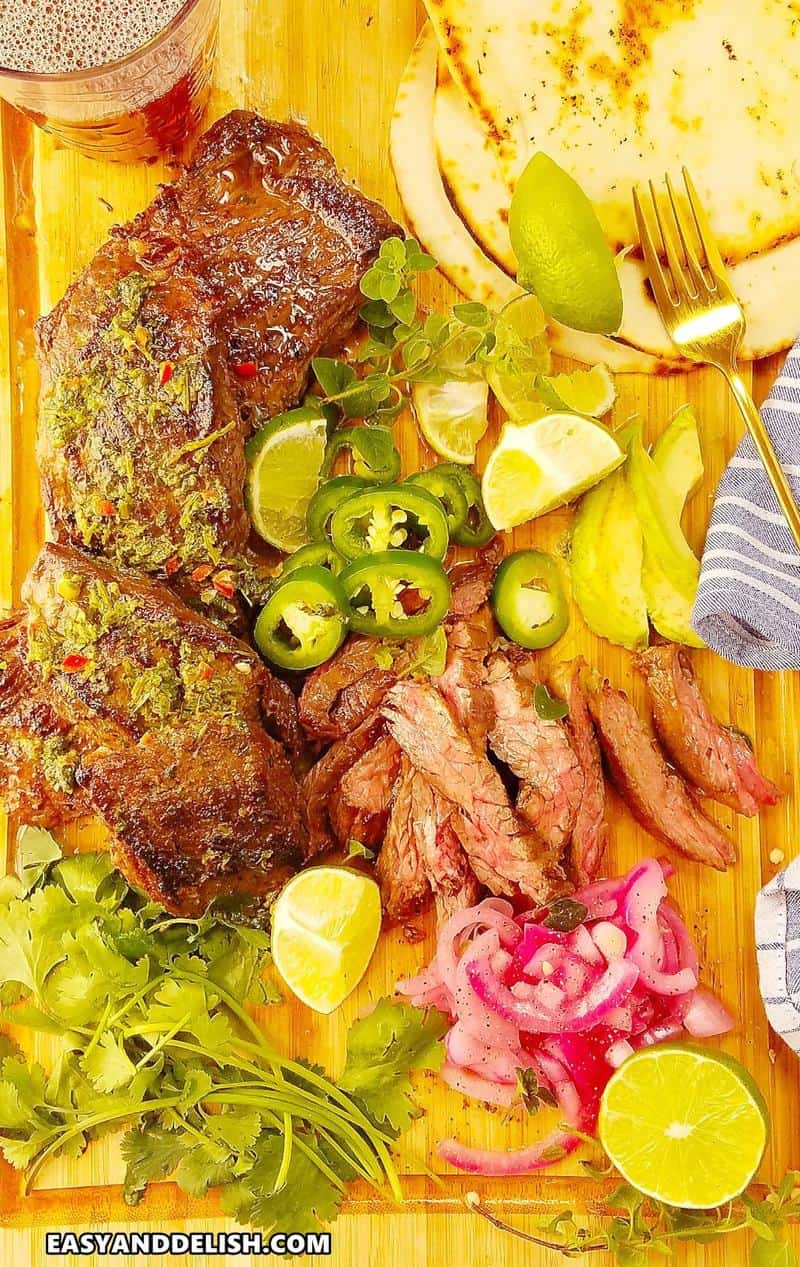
<point x="768" y="284"/>
<point x="620" y="90"/>
<point x="435" y="223"/>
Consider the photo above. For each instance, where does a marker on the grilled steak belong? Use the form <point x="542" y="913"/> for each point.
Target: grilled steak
<point x="655" y="794"/>
<point x="714" y="758"/>
<point x="359" y="807"/>
<point x="191" y="325"/>
<point x="537" y="751"/>
<point x="504" y="855"/>
<point x="159" y="716"/>
<point x="590" y="831"/>
<point x="400" y="871"/>
<point x="37" y="757"/>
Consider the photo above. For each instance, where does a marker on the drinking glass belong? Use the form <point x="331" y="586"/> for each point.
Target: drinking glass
<point x="143" y="105"/>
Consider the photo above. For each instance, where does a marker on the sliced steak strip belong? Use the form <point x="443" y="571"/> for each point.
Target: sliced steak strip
<point x="537" y="751"/>
<point x="463" y="683"/>
<point x="655" y="794"/>
<point x="590" y="832"/>
<point x="338" y="696"/>
<point x="716" y="759"/>
<point x="400" y="871"/>
<point x="165" y="718"/>
<point x="444" y="861"/>
<point x="504" y="855"/>
<point x="323" y="781"/>
<point x="193" y="324"/>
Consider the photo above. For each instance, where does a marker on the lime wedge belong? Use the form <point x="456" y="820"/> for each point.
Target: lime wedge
<point x="325" y="925"/>
<point x="284" y="460"/>
<point x="590" y="392"/>
<point x="539" y="465"/>
<point x="452" y="416"/>
<point x="521" y="354"/>
<point x="684" y="1125"/>
<point x="562" y="253"/>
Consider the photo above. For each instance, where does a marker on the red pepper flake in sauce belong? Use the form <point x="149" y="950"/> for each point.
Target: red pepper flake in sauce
<point x="245" y="369"/>
<point x="202" y="572"/>
<point x="105" y="507"/>
<point x="205" y="673"/>
<point x="224" y="585"/>
<point x="167" y="370"/>
<point x="74" y="663"/>
<point x="171" y="566"/>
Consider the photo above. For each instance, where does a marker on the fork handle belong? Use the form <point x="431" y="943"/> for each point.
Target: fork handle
<point x="766" y="452"/>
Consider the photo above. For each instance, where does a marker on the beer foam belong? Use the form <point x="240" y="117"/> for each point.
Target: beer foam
<point x="54" y="36"/>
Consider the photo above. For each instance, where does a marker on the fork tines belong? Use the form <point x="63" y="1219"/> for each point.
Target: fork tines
<point x="681" y="238"/>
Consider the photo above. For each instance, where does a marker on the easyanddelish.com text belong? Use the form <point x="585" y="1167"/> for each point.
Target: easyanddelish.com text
<point x="169" y="1243"/>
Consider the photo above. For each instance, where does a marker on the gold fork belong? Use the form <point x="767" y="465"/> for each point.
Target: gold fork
<point x="700" y="312"/>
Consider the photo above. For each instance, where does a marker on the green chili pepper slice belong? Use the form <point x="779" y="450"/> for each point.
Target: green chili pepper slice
<point x="447" y="489"/>
<point x="304" y="620"/>
<point x="528" y="599"/>
<point x="325" y="501"/>
<point x="478" y="530"/>
<point x="315" y="554"/>
<point x="396" y="594"/>
<point x="374" y="455"/>
<point x="396" y="516"/>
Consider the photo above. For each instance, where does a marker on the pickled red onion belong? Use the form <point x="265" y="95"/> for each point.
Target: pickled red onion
<point x="522" y="996"/>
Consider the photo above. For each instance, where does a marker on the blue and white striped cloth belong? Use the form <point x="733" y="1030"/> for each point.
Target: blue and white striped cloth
<point x="748" y="601"/>
<point x="778" y="949"/>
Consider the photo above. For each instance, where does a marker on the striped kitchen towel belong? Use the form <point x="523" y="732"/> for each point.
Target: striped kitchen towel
<point x="778" y="948"/>
<point x="748" y="602"/>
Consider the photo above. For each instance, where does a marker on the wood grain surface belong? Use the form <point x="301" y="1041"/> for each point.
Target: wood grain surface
<point x="335" y="65"/>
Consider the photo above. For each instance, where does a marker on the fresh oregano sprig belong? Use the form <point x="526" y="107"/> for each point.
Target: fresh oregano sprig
<point x="635" y="1229"/>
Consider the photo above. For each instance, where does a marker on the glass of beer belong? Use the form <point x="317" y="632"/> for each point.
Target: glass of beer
<point x="117" y="79"/>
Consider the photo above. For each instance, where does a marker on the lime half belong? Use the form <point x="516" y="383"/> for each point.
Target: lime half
<point x="521" y="354"/>
<point x="590" y="392"/>
<point x="284" y="460"/>
<point x="325" y="926"/>
<point x="684" y="1125"/>
<point x="543" y="464"/>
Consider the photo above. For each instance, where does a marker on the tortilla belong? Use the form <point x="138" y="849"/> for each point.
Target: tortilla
<point x="620" y="90"/>
<point x="433" y="220"/>
<point x="768" y="284"/>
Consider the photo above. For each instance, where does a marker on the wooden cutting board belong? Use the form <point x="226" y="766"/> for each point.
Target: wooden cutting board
<point x="335" y="64"/>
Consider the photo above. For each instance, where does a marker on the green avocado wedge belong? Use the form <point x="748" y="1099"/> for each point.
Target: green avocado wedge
<point x="679" y="459"/>
<point x="670" y="570"/>
<point x="607" y="560"/>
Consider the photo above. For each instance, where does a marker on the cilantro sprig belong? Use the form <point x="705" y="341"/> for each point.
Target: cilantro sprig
<point x="635" y="1229"/>
<point x="156" y="1035"/>
<point x="403" y="347"/>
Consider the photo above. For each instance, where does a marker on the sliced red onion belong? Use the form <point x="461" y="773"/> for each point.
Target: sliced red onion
<point x="618" y="1052"/>
<point x="514" y="1161"/>
<point x="479" y="1088"/>
<point x="609" y="992"/>
<point x="707" y="1016"/>
<point x="641" y="903"/>
<point x="582" y="942"/>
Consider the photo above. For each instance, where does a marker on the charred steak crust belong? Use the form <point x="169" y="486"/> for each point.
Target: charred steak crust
<point x="194" y="323"/>
<point x="162" y="712"/>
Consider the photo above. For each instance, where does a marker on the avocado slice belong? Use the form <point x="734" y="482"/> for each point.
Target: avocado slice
<point x="607" y="560"/>
<point x="679" y="459"/>
<point x="670" y="570"/>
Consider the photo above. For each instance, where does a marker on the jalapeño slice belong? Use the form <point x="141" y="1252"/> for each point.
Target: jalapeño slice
<point x="396" y="516"/>
<point x="478" y="530"/>
<point x="396" y="594"/>
<point x="528" y="599"/>
<point x="304" y="620"/>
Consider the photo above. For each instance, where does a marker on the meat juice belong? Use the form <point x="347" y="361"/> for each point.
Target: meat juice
<point x="118" y="79"/>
